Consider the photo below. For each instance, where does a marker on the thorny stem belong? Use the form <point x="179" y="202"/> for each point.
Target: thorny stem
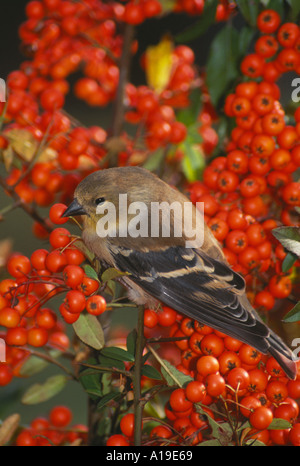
<point x="138" y="402"/>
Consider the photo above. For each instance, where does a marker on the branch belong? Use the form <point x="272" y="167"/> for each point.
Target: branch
<point x="119" y="109"/>
<point x="138" y="403"/>
<point x="28" y="208"/>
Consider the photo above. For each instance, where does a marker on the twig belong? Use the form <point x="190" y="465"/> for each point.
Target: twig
<point x="138" y="402"/>
<point x="119" y="109"/>
<point x="28" y="208"/>
<point x="98" y="368"/>
<point x="158" y="358"/>
<point x="51" y="360"/>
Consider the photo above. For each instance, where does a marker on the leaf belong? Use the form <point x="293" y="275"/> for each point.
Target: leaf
<point x="5" y="251"/>
<point x="109" y="363"/>
<point x="288" y="261"/>
<point x="245" y="37"/>
<point x="159" y="64"/>
<point x="114" y="352"/>
<point x="107" y="398"/>
<point x="89" y="330"/>
<point x="201" y="26"/>
<point x="91" y="383"/>
<point x="221" y="432"/>
<point x="26" y="146"/>
<point x="172" y="375"/>
<point x="193" y="162"/>
<point x="43" y="392"/>
<point x="277" y="5"/>
<point x="8" y="428"/>
<point x="7" y="156"/>
<point x="278" y="423"/>
<point x="35" y="364"/>
<point x="188" y="116"/>
<point x="151" y="372"/>
<point x="293" y="315"/>
<point x="90" y="272"/>
<point x="295" y="9"/>
<point x="154" y="160"/>
<point x="131" y="341"/>
<point x="289" y="237"/>
<point x="222" y="64"/>
<point x="255" y="443"/>
<point x="249" y="9"/>
<point x="210" y="443"/>
<point x="111" y="274"/>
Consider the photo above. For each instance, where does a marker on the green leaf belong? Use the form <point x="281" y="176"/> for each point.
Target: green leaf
<point x="109" y="363"/>
<point x="107" y="398"/>
<point x="222" y="64"/>
<point x="221" y="432"/>
<point x="151" y="372"/>
<point x="210" y="443"/>
<point x="278" y="423"/>
<point x="35" y="364"/>
<point x="288" y="261"/>
<point x="202" y="25"/>
<point x="277" y="5"/>
<point x="293" y="315"/>
<point x="193" y="162"/>
<point x="246" y="35"/>
<point x="38" y="393"/>
<point x="89" y="330"/>
<point x="289" y="237"/>
<point x="249" y="9"/>
<point x="188" y="115"/>
<point x="111" y="274"/>
<point x="131" y="341"/>
<point x="295" y="9"/>
<point x="90" y="272"/>
<point x="155" y="160"/>
<point x="172" y="375"/>
<point x="91" y="381"/>
<point x="120" y="354"/>
<point x="255" y="443"/>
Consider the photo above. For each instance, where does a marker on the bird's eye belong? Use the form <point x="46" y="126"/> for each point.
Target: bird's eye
<point x="99" y="201"/>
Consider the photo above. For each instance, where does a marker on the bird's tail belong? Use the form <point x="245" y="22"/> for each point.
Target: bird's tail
<point x="283" y="355"/>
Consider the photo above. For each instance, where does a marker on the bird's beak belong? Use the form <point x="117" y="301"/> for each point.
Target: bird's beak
<point x="74" y="209"/>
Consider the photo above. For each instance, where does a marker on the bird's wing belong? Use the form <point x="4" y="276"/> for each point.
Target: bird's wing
<point x="201" y="287"/>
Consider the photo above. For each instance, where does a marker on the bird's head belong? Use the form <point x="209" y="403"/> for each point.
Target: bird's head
<point x="102" y="189"/>
<point x="127" y="204"/>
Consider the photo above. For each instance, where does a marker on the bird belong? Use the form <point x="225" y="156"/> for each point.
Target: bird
<point x="189" y="274"/>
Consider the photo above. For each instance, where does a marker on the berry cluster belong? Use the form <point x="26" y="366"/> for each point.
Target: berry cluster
<point x="246" y="193"/>
<point x="252" y="188"/>
<point x="55" y="429"/>
<point x="154" y="105"/>
<point x="34" y="281"/>
<point x="228" y="379"/>
<point x="135" y="12"/>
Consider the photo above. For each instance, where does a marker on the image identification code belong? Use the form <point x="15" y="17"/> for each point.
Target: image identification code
<point x="155" y="455"/>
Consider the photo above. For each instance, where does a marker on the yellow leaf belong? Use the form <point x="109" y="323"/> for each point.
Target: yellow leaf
<point x="159" y="64"/>
<point x="7" y="155"/>
<point x="8" y="428"/>
<point x="5" y="250"/>
<point x="23" y="143"/>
